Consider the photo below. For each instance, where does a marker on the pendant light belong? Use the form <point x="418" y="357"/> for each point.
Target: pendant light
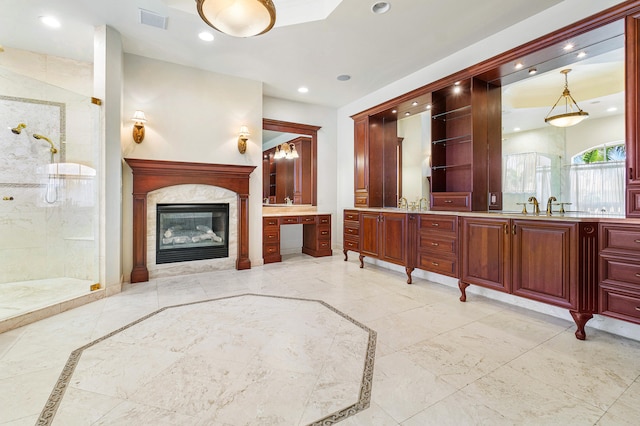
<point x="571" y="116"/>
<point x="238" y="18"/>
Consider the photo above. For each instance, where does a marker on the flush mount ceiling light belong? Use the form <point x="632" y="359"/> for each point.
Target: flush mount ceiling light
<point x="238" y="18"/>
<point x="380" y="7"/>
<point x="50" y="21"/>
<point x="571" y="116"/>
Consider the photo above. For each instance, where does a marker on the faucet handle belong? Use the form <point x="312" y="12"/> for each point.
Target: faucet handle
<point x="562" y="207"/>
<point x="524" y="207"/>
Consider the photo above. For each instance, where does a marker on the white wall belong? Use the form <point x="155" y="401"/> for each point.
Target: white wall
<point x="410" y="129"/>
<point x="592" y="132"/>
<point x="193" y="116"/>
<point x="296" y="112"/>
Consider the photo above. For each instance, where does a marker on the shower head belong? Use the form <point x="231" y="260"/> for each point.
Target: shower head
<point x="53" y="148"/>
<point x="18" y="128"/>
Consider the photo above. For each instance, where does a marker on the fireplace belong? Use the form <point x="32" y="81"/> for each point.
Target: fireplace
<point x="187" y="232"/>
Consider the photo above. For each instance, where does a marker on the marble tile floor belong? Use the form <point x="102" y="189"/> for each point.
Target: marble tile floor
<point x="18" y="298"/>
<point x="437" y="362"/>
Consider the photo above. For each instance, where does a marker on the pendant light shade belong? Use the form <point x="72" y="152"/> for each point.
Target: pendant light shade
<point x="572" y="113"/>
<point x="238" y="18"/>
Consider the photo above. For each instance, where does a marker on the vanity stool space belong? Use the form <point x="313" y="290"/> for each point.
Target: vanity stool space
<point x="316" y="234"/>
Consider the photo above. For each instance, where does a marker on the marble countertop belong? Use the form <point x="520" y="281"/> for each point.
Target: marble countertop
<point x="567" y="216"/>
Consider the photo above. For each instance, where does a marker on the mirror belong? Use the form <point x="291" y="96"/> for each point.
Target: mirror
<point x="584" y="164"/>
<point x="292" y="178"/>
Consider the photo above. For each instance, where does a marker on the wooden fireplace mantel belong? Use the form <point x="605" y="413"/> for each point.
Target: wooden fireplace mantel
<point x="149" y="175"/>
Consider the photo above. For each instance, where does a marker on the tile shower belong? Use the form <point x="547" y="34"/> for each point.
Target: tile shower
<point x="49" y="215"/>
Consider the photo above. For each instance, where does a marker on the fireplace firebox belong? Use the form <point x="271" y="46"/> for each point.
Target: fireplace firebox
<point x="187" y="232"/>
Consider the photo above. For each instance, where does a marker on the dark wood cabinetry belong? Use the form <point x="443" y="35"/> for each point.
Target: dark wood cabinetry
<point x="465" y="131"/>
<point x="437" y="244"/>
<point x="376" y="161"/>
<point x="384" y="236"/>
<point x="620" y="271"/>
<point x="351" y="232"/>
<point x="316" y="235"/>
<point x="553" y="262"/>
<point x="632" y="107"/>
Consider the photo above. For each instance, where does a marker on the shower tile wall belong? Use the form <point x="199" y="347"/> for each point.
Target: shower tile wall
<point x="40" y="239"/>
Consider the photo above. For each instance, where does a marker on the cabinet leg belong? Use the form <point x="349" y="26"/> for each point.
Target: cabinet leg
<point x="345" y="254"/>
<point x="409" y="271"/>
<point x="581" y="319"/>
<point x="463" y="290"/>
<point x="361" y="257"/>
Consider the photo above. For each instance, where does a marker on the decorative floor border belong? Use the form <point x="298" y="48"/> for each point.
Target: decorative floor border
<point x="364" y="399"/>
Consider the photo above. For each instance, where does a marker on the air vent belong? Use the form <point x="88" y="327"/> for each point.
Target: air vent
<point x="153" y="19"/>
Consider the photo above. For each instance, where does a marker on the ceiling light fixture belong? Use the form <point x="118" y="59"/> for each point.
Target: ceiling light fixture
<point x="205" y="36"/>
<point x="518" y="65"/>
<point x="238" y="18"/>
<point x="407" y="113"/>
<point x="569" y="117"/>
<point x="286" y="150"/>
<point x="612" y="109"/>
<point x="414" y="103"/>
<point x="303" y="89"/>
<point x="532" y="71"/>
<point x="381" y="7"/>
<point x="428" y="106"/>
<point x="582" y="55"/>
<point x="568" y="46"/>
<point x="50" y="21"/>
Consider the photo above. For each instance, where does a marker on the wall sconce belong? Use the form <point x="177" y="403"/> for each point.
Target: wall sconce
<point x="243" y="135"/>
<point x="138" y="126"/>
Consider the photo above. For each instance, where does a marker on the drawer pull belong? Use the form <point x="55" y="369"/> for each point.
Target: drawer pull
<point x="637" y="308"/>
<point x="435" y="263"/>
<point x="638" y="275"/>
<point x="637" y="241"/>
<point x="435" y="224"/>
<point x="448" y="201"/>
<point x="271" y="236"/>
<point x="435" y="244"/>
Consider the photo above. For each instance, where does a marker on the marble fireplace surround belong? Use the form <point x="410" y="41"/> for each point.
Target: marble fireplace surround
<point x="150" y="175"/>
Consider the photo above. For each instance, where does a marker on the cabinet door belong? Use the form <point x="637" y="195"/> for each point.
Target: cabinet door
<point x="361" y="162"/>
<point x="632" y="92"/>
<point x="394" y="230"/>
<point x="369" y="234"/>
<point x="543" y="261"/>
<point x="486" y="246"/>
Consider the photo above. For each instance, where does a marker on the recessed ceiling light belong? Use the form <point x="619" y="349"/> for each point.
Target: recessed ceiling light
<point x="303" y="89"/>
<point x="428" y="106"/>
<point x="532" y="71"/>
<point x="582" y="55"/>
<point x="206" y="36"/>
<point x="407" y="113"/>
<point x="344" y="77"/>
<point x="516" y="129"/>
<point x="518" y="65"/>
<point x="568" y="46"/>
<point x="394" y="111"/>
<point x="414" y="103"/>
<point x="612" y="109"/>
<point x="50" y="21"/>
<point x="381" y="7"/>
<point x="457" y="89"/>
<point x="457" y="83"/>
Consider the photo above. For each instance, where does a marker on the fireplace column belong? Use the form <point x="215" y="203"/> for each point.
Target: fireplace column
<point x="139" y="273"/>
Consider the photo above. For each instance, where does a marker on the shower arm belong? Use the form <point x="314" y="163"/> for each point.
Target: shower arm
<point x="53" y="149"/>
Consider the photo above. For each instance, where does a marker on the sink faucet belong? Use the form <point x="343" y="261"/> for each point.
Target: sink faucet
<point x="288" y="201"/>
<point x="549" y="205"/>
<point x="402" y="202"/>
<point x="426" y="203"/>
<point x="536" y="207"/>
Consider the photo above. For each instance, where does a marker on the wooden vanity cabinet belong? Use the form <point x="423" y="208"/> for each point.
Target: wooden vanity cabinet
<point x="553" y="262"/>
<point x="383" y="236"/>
<point x="351" y="232"/>
<point x="437" y="244"/>
<point x="620" y="271"/>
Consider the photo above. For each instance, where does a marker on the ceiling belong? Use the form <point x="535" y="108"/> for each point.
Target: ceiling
<point x="304" y="49"/>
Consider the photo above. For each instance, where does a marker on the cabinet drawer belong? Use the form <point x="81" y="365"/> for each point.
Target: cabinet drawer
<point x="351" y="244"/>
<point x="324" y="232"/>
<point x="437" y="264"/>
<point x="350" y="215"/>
<point x="307" y="219"/>
<point x="270" y="249"/>
<point x="269" y="221"/>
<point x="271" y="235"/>
<point x="458" y="201"/>
<point x="615" y="270"/>
<point x="324" y="219"/>
<point x="620" y="304"/>
<point x="361" y="200"/>
<point x="349" y="230"/>
<point x="431" y="243"/>
<point x="289" y="219"/>
<point x="438" y="223"/>
<point x="621" y="238"/>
